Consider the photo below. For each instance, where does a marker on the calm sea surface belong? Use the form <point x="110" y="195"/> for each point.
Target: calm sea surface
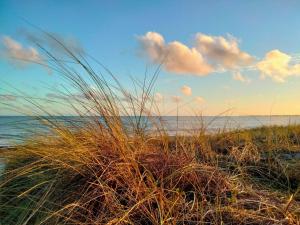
<point x="15" y="129"/>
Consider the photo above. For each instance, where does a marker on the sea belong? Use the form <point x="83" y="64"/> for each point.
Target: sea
<point x="16" y="129"/>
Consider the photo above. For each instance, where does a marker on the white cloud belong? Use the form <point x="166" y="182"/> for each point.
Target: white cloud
<point x="55" y="42"/>
<point x="277" y="65"/>
<point x="174" y="56"/>
<point x="210" y="54"/>
<point x="240" y="77"/>
<point x="19" y="55"/>
<point x="216" y="54"/>
<point x="199" y="100"/>
<point x="158" y="97"/>
<point x="222" y="52"/>
<point x="186" y="90"/>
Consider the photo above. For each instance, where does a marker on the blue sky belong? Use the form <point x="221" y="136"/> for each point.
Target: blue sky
<point x="112" y="32"/>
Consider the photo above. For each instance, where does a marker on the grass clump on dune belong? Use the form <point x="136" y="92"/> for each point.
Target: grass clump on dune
<point x="105" y="170"/>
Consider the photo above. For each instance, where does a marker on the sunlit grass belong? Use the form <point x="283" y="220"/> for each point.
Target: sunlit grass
<point x="101" y="171"/>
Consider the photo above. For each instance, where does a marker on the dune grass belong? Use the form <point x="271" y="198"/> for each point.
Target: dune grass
<point x="102" y="171"/>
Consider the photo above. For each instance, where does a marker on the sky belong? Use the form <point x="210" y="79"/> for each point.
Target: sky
<point x="238" y="57"/>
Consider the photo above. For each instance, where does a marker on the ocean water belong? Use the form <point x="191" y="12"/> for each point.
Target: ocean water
<point x="14" y="130"/>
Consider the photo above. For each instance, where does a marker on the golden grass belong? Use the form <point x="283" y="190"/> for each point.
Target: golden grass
<point x="104" y="172"/>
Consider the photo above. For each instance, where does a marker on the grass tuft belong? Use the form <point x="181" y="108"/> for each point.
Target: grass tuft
<point x="109" y="168"/>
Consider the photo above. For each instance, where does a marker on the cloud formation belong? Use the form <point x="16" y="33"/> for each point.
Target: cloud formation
<point x="210" y="53"/>
<point x="158" y="97"/>
<point x="18" y="54"/>
<point x="199" y="100"/>
<point x="174" y="56"/>
<point x="215" y="54"/>
<point x="55" y="41"/>
<point x="277" y="65"/>
<point x="240" y="77"/>
<point x="222" y="52"/>
<point x="186" y="90"/>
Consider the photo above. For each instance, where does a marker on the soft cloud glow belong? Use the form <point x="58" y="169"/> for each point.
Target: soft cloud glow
<point x="158" y="97"/>
<point x="199" y="100"/>
<point x="186" y="90"/>
<point x="18" y="54"/>
<point x="222" y="52"/>
<point x="277" y="66"/>
<point x="240" y="77"/>
<point x="215" y="54"/>
<point x="211" y="54"/>
<point x="174" y="56"/>
<point x="55" y="42"/>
